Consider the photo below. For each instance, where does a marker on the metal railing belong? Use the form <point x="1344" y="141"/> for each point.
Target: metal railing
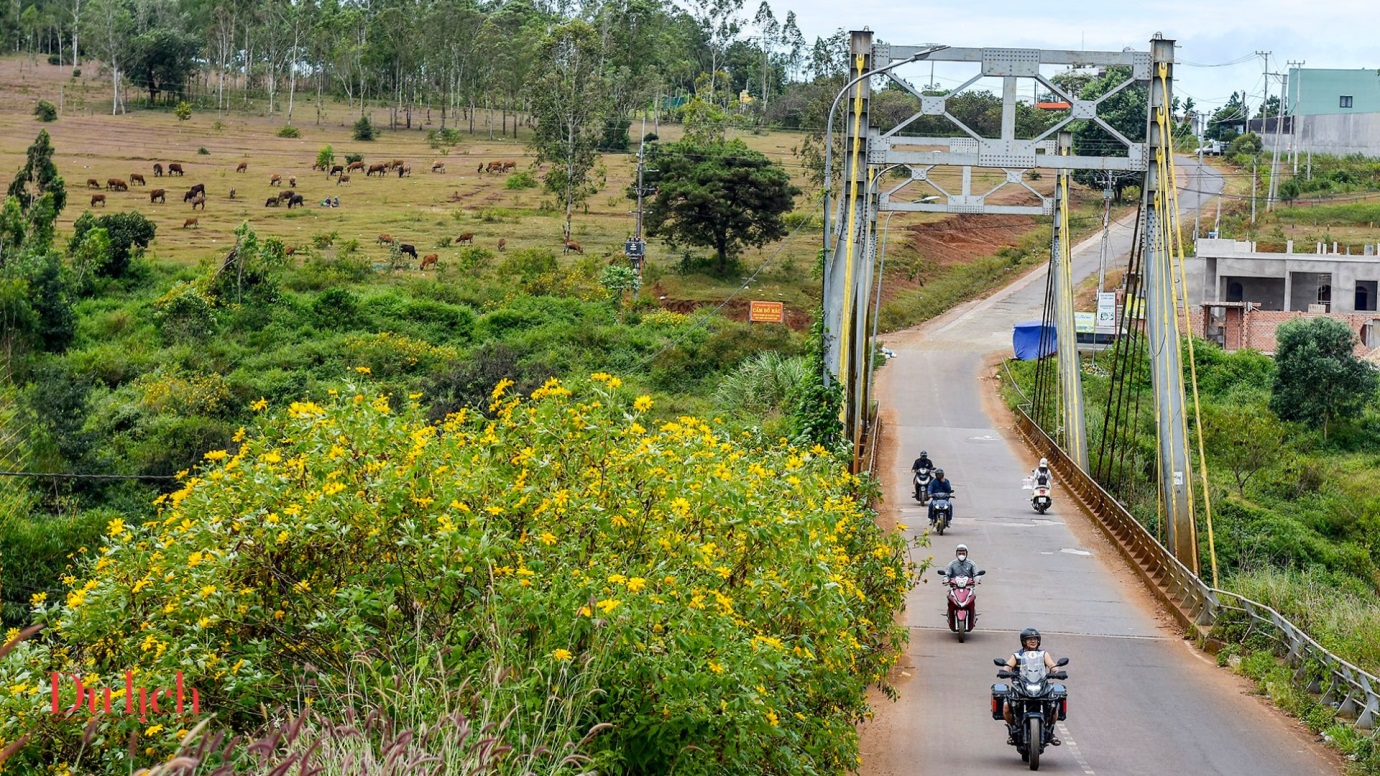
<point x="1354" y="692"/>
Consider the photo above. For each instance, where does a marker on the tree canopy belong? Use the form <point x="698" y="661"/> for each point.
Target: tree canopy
<point x="719" y="195"/>
<point x="1318" y="380"/>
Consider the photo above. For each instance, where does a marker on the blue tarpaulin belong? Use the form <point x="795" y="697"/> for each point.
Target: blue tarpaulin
<point x="1025" y="340"/>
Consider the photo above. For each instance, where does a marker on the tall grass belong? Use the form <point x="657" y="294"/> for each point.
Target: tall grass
<point x="1344" y="620"/>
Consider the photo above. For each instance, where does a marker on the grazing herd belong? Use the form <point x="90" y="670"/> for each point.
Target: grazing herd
<point x="196" y="195"/>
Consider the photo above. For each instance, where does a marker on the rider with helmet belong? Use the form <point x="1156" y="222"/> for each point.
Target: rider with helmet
<point x="1030" y="650"/>
<point x="1041" y="475"/>
<point x="940" y="486"/>
<point x="960" y="566"/>
<point x="923" y="462"/>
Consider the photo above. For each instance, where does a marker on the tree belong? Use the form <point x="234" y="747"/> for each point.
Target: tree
<point x="569" y="102"/>
<point x="1318" y="379"/>
<point x="1125" y="112"/>
<point x="128" y="233"/>
<point x="40" y="195"/>
<point x="1223" y="122"/>
<point x="1242" y="436"/>
<point x="325" y="158"/>
<point x="161" y="60"/>
<point x="719" y="195"/>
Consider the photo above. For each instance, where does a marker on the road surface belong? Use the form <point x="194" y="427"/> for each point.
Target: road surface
<point x="1141" y="700"/>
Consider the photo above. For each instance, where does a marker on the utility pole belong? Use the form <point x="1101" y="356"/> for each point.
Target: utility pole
<point x="1197" y="178"/>
<point x="1274" y="159"/>
<point x="636" y="247"/>
<point x="1255" y="160"/>
<point x="1106" y="228"/>
<point x="1298" y="98"/>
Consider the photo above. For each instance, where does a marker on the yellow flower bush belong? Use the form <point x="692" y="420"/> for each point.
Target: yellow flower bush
<point x="742" y="614"/>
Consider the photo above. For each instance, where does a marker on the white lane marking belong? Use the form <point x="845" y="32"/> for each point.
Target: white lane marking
<point x="1069" y="551"/>
<point x="985" y="438"/>
<point x="1073" y="749"/>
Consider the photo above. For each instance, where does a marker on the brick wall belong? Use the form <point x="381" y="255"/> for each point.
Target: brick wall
<point x="1255" y="329"/>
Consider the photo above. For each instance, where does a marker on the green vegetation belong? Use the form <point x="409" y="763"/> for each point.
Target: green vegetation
<point x="45" y="111"/>
<point x="289" y="131"/>
<point x="364" y="130"/>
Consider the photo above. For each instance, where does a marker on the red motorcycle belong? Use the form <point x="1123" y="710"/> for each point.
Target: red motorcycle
<point x="962" y="603"/>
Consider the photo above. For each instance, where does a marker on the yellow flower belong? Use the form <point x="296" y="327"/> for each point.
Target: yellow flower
<point x="37" y="598"/>
<point x="283" y="536"/>
<point x="548" y="538"/>
<point x="364" y="370"/>
<point x="502" y="386"/>
<point x="332" y="488"/>
<point x="609" y="604"/>
<point x="207" y="591"/>
<point x="642" y="403"/>
<point x="115" y="527"/>
<point x="636" y="583"/>
<point x="193" y="559"/>
<point x="715" y="667"/>
<point x="259" y="405"/>
<point x="239" y="435"/>
<point x="562" y="654"/>
<point x="153" y="731"/>
<point x="773" y="719"/>
<point x="216" y="455"/>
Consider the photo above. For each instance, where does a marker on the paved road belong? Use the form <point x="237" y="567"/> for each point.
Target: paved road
<point x="1141" y="700"/>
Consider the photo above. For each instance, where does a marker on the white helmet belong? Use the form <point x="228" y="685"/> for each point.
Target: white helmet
<point x="1044" y="463"/>
<point x="960" y="548"/>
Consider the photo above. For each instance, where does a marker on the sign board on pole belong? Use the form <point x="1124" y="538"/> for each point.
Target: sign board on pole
<point x="1106" y="310"/>
<point x="1083" y="323"/>
<point x="767" y="312"/>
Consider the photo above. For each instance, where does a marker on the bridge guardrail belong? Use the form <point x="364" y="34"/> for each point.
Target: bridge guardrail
<point x="1193" y="603"/>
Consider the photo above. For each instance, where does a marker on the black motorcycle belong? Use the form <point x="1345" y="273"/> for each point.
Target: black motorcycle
<point x="922" y="484"/>
<point x="1036" y="705"/>
<point x="942" y="511"/>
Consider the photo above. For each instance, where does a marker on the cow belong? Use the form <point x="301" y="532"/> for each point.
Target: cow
<point x="243" y="167"/>
<point x="438" y="166"/>
<point x="466" y="238"/>
<point x="396" y="163"/>
<point x="276" y="180"/>
<point x="410" y="250"/>
<point x="385" y="239"/>
<point x="135" y="177"/>
<point x="429" y="260"/>
<point x="405" y="169"/>
<point x="342" y="179"/>
<point x="296" y="199"/>
<point x="292" y="181"/>
<point x="199" y="201"/>
<point x="232" y="193"/>
<point x="284" y="196"/>
<point x="571" y="245"/>
<point x="336" y="170"/>
<point x="92" y="183"/>
<point x="376" y="168"/>
<point x="199" y="188"/>
<point x="271" y="202"/>
<point x="158" y="195"/>
<point x="116" y="184"/>
<point x="97" y="198"/>
<point x="494" y="167"/>
<point x="481" y="167"/>
<point x="174" y="167"/>
<point x="290" y="250"/>
<point x="157" y="170"/>
<point x="191" y="222"/>
<point x="509" y="164"/>
<point x="352" y="166"/>
<point x="502" y="243"/>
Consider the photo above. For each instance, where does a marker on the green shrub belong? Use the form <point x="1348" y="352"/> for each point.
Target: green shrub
<point x="472" y="258"/>
<point x="129" y="234"/>
<point x="337" y="308"/>
<point x="529" y="263"/>
<point x="44" y="543"/>
<point x="289" y="132"/>
<point x="753" y="627"/>
<point x="363" y="130"/>
<point x="202" y="151"/>
<point x="45" y="111"/>
<point x="520" y="180"/>
<point x="352" y="158"/>
<point x="184" y="313"/>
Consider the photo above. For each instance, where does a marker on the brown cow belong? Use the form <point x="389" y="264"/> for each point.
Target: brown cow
<point x="438" y="166"/>
<point x="502" y="243"/>
<point x="191" y="222"/>
<point x="494" y="167"/>
<point x="467" y="237"/>
<point x="290" y="250"/>
<point x="354" y="166"/>
<point x="384" y="239"/>
<point x="276" y="180"/>
<point x="481" y="167"/>
<point x="336" y="170"/>
<point x="271" y="202"/>
<point x="92" y="183"/>
<point x="97" y="198"/>
<point x="135" y="177"/>
<point x="244" y="166"/>
<point x="158" y="195"/>
<point x="199" y="188"/>
<point x="292" y="181"/>
<point x="342" y="179"/>
<point x="157" y="170"/>
<point x="174" y="167"/>
<point x="116" y="184"/>
<point x="376" y="168"/>
<point x="396" y="163"/>
<point x="199" y="201"/>
<point x="571" y="245"/>
<point x="429" y="260"/>
<point x="284" y="196"/>
<point x="509" y="164"/>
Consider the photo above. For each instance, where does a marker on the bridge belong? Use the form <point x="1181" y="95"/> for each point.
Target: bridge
<point x="1112" y="597"/>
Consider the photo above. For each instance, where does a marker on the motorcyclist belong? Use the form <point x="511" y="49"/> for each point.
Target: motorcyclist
<point x="960" y="566"/>
<point x="1030" y="650"/>
<point x="940" y="486"/>
<point x="923" y="462"/>
<point x="1041" y="475"/>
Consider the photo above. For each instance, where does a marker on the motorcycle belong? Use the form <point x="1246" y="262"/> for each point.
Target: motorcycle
<point x="1036" y="705"/>
<point x="962" y="603"/>
<point x="922" y="484"/>
<point x="1040" y="497"/>
<point x="943" y="511"/>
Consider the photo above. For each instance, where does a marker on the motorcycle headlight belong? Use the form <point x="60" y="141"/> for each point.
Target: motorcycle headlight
<point x="1032" y="688"/>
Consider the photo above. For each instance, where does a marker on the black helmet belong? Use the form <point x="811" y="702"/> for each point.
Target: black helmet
<point x="1030" y="633"/>
<point x="924" y="454"/>
<point x="939" y="472"/>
